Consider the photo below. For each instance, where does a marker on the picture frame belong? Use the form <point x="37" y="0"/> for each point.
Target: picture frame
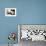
<point x="10" y="12"/>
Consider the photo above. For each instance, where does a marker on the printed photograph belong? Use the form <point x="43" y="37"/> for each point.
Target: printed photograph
<point x="30" y="34"/>
<point x="10" y="11"/>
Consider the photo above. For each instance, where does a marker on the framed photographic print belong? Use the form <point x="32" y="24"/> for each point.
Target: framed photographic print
<point x="32" y="32"/>
<point x="10" y="11"/>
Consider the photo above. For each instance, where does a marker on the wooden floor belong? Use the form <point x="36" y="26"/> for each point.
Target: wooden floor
<point x="30" y="43"/>
<point x="7" y="45"/>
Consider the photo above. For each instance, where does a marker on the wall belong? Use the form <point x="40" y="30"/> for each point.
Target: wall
<point x="28" y="12"/>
